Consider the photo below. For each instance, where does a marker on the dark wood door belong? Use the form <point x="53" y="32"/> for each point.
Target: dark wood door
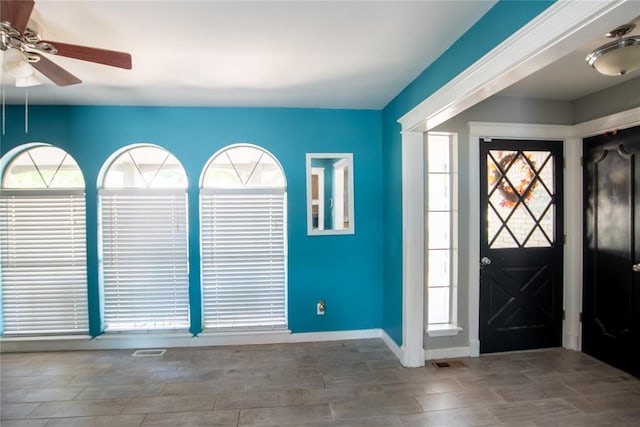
<point x="521" y="244"/>
<point x="611" y="292"/>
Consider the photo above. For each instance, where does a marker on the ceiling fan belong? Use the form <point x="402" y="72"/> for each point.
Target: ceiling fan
<point x="20" y="36"/>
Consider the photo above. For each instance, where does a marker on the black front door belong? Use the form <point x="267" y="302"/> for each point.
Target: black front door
<point x="521" y="244"/>
<point x="611" y="292"/>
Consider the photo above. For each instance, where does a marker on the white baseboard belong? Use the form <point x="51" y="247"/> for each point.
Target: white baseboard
<point x="395" y="349"/>
<point x="141" y="341"/>
<point x="447" y="353"/>
<point x="572" y="342"/>
<point x="474" y="348"/>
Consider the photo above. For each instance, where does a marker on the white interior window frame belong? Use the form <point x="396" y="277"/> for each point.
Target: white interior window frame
<point x="206" y="195"/>
<point x="451" y="326"/>
<point x="171" y="192"/>
<point x="75" y="197"/>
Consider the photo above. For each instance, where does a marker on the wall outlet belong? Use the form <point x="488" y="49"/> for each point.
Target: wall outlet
<point x="321" y="308"/>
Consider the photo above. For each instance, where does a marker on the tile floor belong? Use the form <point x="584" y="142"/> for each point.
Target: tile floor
<point x="342" y="383"/>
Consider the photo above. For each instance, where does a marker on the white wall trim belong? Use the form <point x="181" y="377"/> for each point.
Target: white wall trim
<point x="413" y="249"/>
<point x="140" y="341"/>
<point x="397" y="351"/>
<point x="519" y="130"/>
<point x="572" y="266"/>
<point x="573" y="209"/>
<point x="560" y="29"/>
<point x="447" y="353"/>
<point x="622" y="120"/>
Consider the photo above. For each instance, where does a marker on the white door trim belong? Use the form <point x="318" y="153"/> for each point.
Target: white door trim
<point x="560" y="29"/>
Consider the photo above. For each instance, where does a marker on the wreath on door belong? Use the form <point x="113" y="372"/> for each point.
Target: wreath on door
<point x="523" y="189"/>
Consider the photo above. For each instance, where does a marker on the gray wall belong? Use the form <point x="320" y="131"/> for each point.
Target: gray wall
<point x="622" y="97"/>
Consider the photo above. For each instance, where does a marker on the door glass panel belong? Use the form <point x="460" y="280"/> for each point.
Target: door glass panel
<point x="537" y="240"/>
<point x="520" y="198"/>
<point x="521" y="223"/>
<point x="493" y="223"/>
<point x="503" y="240"/>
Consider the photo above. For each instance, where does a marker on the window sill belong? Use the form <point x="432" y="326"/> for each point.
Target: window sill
<point x="445" y="330"/>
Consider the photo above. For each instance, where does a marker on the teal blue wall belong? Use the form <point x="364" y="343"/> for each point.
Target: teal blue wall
<point x="343" y="270"/>
<point x="501" y="21"/>
<point x="360" y="276"/>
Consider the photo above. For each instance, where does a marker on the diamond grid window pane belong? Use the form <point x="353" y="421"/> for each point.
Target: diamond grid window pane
<point x="521" y="223"/>
<point x="539" y="200"/>
<point x="521" y="200"/>
<point x="504" y="240"/>
<point x="493" y="223"/>
<point x="520" y="175"/>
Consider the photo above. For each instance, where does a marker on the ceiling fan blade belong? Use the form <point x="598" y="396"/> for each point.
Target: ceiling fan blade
<point x="91" y="54"/>
<point x="17" y="12"/>
<point x="55" y="73"/>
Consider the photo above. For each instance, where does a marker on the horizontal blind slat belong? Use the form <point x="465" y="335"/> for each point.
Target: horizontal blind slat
<point x="243" y="260"/>
<point x="145" y="260"/>
<point x="44" y="279"/>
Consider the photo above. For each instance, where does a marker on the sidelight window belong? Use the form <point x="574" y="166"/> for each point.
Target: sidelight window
<point x="441" y="234"/>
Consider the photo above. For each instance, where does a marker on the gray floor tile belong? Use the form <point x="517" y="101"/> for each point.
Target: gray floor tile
<point x="16" y="411"/>
<point x="85" y="408"/>
<point x="258" y="399"/>
<point x="193" y="419"/>
<point x="342" y="383"/>
<point x="103" y="421"/>
<point x="146" y="405"/>
<point x="292" y="415"/>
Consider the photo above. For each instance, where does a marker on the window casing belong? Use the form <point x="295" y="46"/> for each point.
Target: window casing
<point x="144" y="268"/>
<point x="243" y="241"/>
<point x="441" y="224"/>
<point x="43" y="244"/>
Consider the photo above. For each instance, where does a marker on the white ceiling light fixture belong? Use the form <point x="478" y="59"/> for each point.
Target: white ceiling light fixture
<point x="17" y="65"/>
<point x="618" y="57"/>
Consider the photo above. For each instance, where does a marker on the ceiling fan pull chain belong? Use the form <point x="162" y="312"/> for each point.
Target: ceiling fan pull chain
<point x="26" y="110"/>
<point x="3" y="107"/>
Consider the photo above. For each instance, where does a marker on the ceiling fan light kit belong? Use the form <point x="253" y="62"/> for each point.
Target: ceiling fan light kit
<point x="21" y="36"/>
<point x="617" y="57"/>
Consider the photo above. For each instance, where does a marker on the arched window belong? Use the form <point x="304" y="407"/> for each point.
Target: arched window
<point x="243" y="238"/>
<point x="143" y="240"/>
<point x="43" y="243"/>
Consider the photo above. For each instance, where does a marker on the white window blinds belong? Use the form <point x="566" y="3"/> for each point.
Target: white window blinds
<point x="145" y="273"/>
<point x="243" y="258"/>
<point x="43" y="254"/>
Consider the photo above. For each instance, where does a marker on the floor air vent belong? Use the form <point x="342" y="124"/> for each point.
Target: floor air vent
<point x="449" y="364"/>
<point x="149" y="353"/>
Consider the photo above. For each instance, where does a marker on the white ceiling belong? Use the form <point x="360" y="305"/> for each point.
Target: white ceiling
<point x="328" y="54"/>
<point x="570" y="77"/>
